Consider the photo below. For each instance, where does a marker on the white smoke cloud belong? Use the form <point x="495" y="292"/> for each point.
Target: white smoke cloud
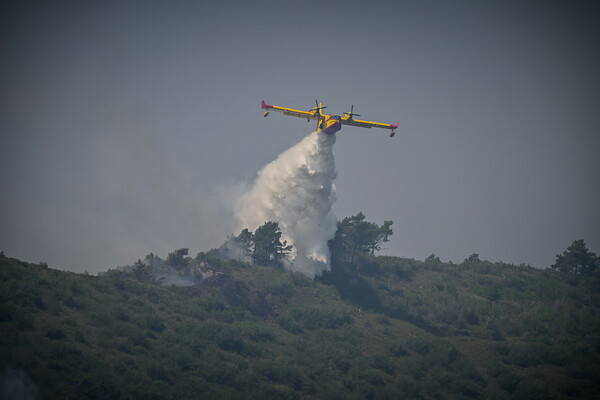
<point x="297" y="191"/>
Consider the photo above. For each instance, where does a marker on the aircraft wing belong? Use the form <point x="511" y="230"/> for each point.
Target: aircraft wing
<point x="367" y="124"/>
<point x="290" y="111"/>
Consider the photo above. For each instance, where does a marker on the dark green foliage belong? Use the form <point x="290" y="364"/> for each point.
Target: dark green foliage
<point x="384" y="363"/>
<point x="396" y="328"/>
<point x="314" y="316"/>
<point x="506" y="378"/>
<point x="397" y="349"/>
<point x="577" y="259"/>
<point x="289" y="323"/>
<point x="154" y="323"/>
<point x="268" y="248"/>
<point x="355" y="236"/>
<point x="52" y="330"/>
<point x="177" y="258"/>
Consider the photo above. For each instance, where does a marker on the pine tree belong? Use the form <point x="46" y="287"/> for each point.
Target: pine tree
<point x="577" y="259"/>
<point x="268" y="248"/>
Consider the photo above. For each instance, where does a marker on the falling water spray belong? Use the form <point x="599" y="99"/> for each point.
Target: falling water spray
<point x="297" y="191"/>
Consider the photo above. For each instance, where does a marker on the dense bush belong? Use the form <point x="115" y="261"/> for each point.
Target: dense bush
<point x="401" y="328"/>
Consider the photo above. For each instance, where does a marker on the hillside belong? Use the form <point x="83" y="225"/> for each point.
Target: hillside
<point x="399" y="328"/>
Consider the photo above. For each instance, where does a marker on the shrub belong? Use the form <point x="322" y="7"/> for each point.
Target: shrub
<point x="314" y="316"/>
<point x="397" y="349"/>
<point x="154" y="323"/>
<point x="53" y="331"/>
<point x="288" y="322"/>
<point x="383" y="362"/>
<point x="419" y="345"/>
<point x="254" y="331"/>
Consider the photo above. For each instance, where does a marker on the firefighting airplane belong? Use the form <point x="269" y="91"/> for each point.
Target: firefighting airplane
<point x="329" y="123"/>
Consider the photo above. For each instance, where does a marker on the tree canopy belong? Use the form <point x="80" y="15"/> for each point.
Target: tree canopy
<point x="268" y="247"/>
<point x="577" y="259"/>
<point x="355" y="236"/>
<point x="177" y="258"/>
<point x="264" y="246"/>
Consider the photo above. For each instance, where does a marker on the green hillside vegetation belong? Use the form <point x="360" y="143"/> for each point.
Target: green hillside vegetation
<point x="375" y="328"/>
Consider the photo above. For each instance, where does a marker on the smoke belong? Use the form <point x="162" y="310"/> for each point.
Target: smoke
<point x="297" y="191"/>
<point x="16" y="384"/>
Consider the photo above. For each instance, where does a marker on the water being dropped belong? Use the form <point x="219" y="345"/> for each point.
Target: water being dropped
<point x="297" y="191"/>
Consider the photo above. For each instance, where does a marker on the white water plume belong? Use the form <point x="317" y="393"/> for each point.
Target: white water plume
<point x="297" y="191"/>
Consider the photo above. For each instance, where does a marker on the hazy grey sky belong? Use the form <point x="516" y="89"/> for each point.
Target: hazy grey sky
<point x="123" y="124"/>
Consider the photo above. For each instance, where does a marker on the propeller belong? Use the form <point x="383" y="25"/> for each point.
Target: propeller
<point x="351" y="113"/>
<point x="317" y="108"/>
